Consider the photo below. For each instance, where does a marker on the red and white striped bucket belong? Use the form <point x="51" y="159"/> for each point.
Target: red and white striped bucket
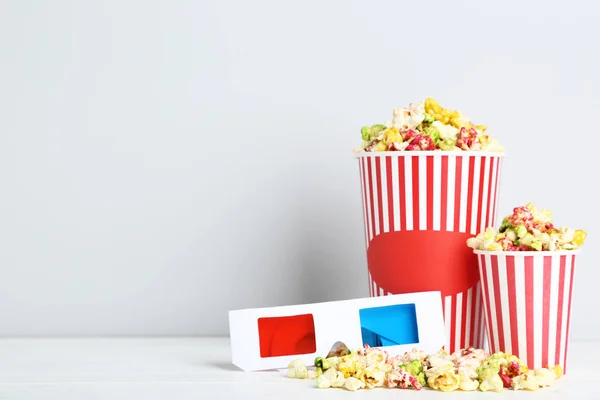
<point x="420" y="207"/>
<point x="528" y="300"/>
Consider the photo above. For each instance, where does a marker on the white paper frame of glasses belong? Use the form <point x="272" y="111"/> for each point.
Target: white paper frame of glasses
<point x="334" y="321"/>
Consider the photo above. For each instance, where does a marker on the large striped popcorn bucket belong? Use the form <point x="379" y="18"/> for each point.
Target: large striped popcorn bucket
<point x="420" y="207"/>
<point x="528" y="299"/>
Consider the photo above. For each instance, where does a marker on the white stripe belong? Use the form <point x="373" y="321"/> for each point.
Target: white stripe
<point x="375" y="289"/>
<point x="381" y="292"/>
<point x="448" y="319"/>
<point x="538" y="307"/>
<point x="464" y="192"/>
<point x="368" y="181"/>
<point x="484" y="199"/>
<point x="488" y="322"/>
<point x="563" y="335"/>
<point x="437" y="191"/>
<point x="395" y="194"/>
<point x="485" y="333"/>
<point x="384" y="195"/>
<point x="475" y="199"/>
<point x="477" y="342"/>
<point x="423" y="193"/>
<point x="458" y="321"/>
<point x="498" y="186"/>
<point x="450" y="196"/>
<point x="408" y="192"/>
<point x="490" y="219"/>
<point x="468" y="318"/>
<point x="504" y="308"/>
<point x="490" y="288"/>
<point x="364" y="202"/>
<point x="552" y="328"/>
<point x="572" y="283"/>
<point x="375" y="197"/>
<point x="520" y="298"/>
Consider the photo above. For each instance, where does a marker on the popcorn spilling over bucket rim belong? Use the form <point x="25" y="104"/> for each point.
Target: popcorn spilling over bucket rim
<point x="427" y="126"/>
<point x="528" y="229"/>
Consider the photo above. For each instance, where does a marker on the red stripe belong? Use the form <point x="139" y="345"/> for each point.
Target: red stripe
<point x="457" y="179"/>
<point x="444" y="194"/>
<point x="569" y="312"/>
<point x="486" y="296"/>
<point x="512" y="305"/>
<point x="402" y="192"/>
<point x="561" y="293"/>
<point x="430" y="193"/>
<point x="390" y="193"/>
<point x="497" y="186"/>
<point x="452" y="340"/>
<point x="498" y="303"/>
<point x="415" y="192"/>
<point x="490" y="178"/>
<point x="379" y="196"/>
<point x="464" y="322"/>
<point x="470" y="193"/>
<point x="372" y="225"/>
<point x="546" y="315"/>
<point x="529" y="310"/>
<point x="480" y="198"/>
<point x="474" y="320"/>
<point x="482" y="325"/>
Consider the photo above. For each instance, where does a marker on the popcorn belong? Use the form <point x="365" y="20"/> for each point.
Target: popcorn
<point x="331" y="378"/>
<point x="468" y="382"/>
<point x="545" y="376"/>
<point x="440" y="359"/>
<point x="351" y="364"/>
<point x="353" y="384"/>
<point x="528" y="229"/>
<point x="372" y="377"/>
<point x="297" y="369"/>
<point x="526" y="381"/>
<point x="467" y="369"/>
<point x="415" y="368"/>
<point x="443" y="378"/>
<point x="427" y="126"/>
<point x="402" y="379"/>
<point x="375" y="356"/>
<point x="323" y="382"/>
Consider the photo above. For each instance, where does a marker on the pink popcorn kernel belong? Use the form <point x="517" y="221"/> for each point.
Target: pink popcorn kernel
<point x="402" y="379"/>
<point x="508" y="245"/>
<point x="421" y="142"/>
<point x="521" y="216"/>
<point x="409" y="134"/>
<point x="466" y="138"/>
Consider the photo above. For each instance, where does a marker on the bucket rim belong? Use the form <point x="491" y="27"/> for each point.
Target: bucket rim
<point x="404" y="153"/>
<point x="529" y="252"/>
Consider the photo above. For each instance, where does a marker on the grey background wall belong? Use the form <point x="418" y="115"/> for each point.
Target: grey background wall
<point x="162" y="162"/>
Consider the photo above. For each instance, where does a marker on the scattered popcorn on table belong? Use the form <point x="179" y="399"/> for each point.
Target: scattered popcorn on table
<point x="297" y="369"/>
<point x="353" y="384"/>
<point x="443" y="378"/>
<point x="528" y="229"/>
<point x="427" y="126"/>
<point x="466" y="370"/>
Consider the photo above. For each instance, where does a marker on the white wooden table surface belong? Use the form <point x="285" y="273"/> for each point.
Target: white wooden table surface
<point x="200" y="368"/>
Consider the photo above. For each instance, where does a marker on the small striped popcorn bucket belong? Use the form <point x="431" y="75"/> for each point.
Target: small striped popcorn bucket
<point x="528" y="299"/>
<point x="419" y="209"/>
